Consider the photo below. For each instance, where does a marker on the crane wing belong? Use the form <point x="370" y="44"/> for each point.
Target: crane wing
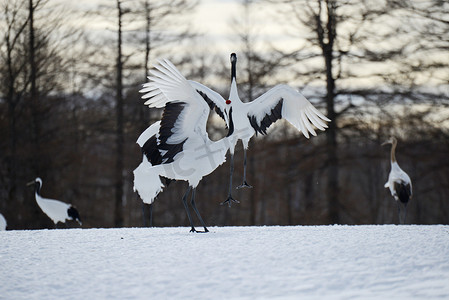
<point x="213" y="99"/>
<point x="167" y="74"/>
<point x="185" y="111"/>
<point x="403" y="191"/>
<point x="148" y="142"/>
<point x="285" y="102"/>
<point x="166" y="85"/>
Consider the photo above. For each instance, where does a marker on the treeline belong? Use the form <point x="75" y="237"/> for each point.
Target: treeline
<point x="70" y="111"/>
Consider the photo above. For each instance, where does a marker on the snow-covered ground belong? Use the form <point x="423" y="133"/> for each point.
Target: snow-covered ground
<point x="297" y="262"/>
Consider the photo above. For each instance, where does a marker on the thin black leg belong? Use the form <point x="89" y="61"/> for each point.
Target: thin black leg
<point x="151" y="214"/>
<point x="405" y="212"/>
<point x="184" y="201"/>
<point x="399" y="212"/>
<point x="244" y="183"/>
<point x="229" y="200"/>
<point x="192" y="202"/>
<point x="144" y="218"/>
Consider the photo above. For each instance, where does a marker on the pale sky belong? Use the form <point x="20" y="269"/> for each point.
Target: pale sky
<point x="213" y="18"/>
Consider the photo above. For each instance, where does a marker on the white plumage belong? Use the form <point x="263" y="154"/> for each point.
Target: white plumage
<point x="177" y="147"/>
<point x="399" y="182"/>
<point x="243" y="119"/>
<point x="56" y="210"/>
<point x="2" y="222"/>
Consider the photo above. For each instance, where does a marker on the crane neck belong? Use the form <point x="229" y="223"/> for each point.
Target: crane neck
<point x="37" y="189"/>
<point x="393" y="152"/>
<point x="234" y="94"/>
<point x="233" y="69"/>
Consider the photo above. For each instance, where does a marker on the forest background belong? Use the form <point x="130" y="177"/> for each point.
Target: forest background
<point x="70" y="111"/>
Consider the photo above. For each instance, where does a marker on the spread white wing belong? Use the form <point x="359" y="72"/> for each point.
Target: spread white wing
<point x="185" y="114"/>
<point x="285" y="102"/>
<point x="167" y="75"/>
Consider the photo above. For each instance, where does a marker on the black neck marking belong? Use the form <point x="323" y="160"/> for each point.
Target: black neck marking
<point x="233" y="65"/>
<point x="231" y="124"/>
<point x="37" y="188"/>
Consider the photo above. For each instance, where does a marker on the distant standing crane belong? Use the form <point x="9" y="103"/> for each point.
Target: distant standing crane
<point x="56" y="210"/>
<point x="398" y="182"/>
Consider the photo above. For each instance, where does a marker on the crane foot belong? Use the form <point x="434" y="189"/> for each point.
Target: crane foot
<point x="244" y="185"/>
<point x="229" y="201"/>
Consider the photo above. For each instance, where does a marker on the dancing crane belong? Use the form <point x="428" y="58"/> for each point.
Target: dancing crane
<point x="56" y="210"/>
<point x="398" y="182"/>
<point x="178" y="147"/>
<point x="255" y="117"/>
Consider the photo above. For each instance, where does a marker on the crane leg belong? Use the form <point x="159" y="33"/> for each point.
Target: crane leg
<point x="151" y="214"/>
<point x="144" y="219"/>
<point x="399" y="212"/>
<point x="229" y="200"/>
<point x="405" y="212"/>
<point x="405" y="215"/>
<point x="244" y="184"/>
<point x="193" y="204"/>
<point x="184" y="201"/>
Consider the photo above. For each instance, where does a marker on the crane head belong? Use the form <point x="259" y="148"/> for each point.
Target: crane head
<point x="392" y="140"/>
<point x="233" y="58"/>
<point x="35" y="181"/>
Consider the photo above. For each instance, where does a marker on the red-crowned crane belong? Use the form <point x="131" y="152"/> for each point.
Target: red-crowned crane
<point x="178" y="147"/>
<point x="56" y="210"/>
<point x="246" y="119"/>
<point x="398" y="182"/>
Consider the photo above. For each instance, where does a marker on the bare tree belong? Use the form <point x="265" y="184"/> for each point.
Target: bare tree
<point x="118" y="212"/>
<point x="12" y="91"/>
<point x="347" y="37"/>
<point x="30" y="61"/>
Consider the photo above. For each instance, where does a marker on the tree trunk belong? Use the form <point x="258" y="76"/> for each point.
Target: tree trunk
<point x="33" y="91"/>
<point x="12" y="126"/>
<point x="326" y="37"/>
<point x="147" y="36"/>
<point x="118" y="214"/>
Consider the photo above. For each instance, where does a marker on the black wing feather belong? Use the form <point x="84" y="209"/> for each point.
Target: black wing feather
<point x="73" y="213"/>
<point x="270" y="118"/>
<point x="169" y="117"/>
<point x="151" y="151"/>
<point x="403" y="191"/>
<point x="211" y="104"/>
<point x="154" y="146"/>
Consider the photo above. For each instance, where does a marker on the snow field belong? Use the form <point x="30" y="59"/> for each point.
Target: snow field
<point x="295" y="262"/>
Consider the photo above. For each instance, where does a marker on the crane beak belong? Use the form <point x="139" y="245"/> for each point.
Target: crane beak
<point x="31" y="183"/>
